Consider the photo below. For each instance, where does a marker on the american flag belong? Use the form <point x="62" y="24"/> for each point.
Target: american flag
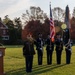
<point x="52" y="27"/>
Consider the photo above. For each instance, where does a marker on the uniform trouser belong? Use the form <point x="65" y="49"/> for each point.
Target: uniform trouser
<point x="29" y="63"/>
<point x="58" y="56"/>
<point x="49" y="56"/>
<point x="68" y="57"/>
<point x="40" y="56"/>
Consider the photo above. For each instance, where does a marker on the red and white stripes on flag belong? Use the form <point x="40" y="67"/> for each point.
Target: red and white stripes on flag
<point x="52" y="27"/>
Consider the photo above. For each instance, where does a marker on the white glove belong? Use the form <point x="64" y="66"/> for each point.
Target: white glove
<point x="40" y="48"/>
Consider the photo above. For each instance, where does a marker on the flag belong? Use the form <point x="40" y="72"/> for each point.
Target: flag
<point x="67" y="17"/>
<point x="52" y="27"/>
<point x="67" y="22"/>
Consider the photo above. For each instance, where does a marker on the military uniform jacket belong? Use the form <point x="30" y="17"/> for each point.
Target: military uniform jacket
<point x="59" y="44"/>
<point x="28" y="48"/>
<point x="39" y="44"/>
<point x="50" y="45"/>
<point x="68" y="47"/>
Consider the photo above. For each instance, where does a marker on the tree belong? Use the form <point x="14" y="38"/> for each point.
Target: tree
<point x="33" y="27"/>
<point x="35" y="13"/>
<point x="72" y="31"/>
<point x="0" y="19"/>
<point x="58" y="14"/>
<point x="73" y="12"/>
<point x="15" y="29"/>
<point x="18" y="26"/>
<point x="12" y="32"/>
<point x="33" y="21"/>
<point x="6" y="19"/>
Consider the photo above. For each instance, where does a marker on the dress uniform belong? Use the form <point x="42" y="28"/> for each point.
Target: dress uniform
<point x="49" y="49"/>
<point x="68" y="45"/>
<point x="39" y="48"/>
<point x="59" y="48"/>
<point x="68" y="52"/>
<point x="28" y="52"/>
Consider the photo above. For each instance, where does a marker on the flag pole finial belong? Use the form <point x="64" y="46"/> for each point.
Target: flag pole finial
<point x="50" y="4"/>
<point x="67" y="6"/>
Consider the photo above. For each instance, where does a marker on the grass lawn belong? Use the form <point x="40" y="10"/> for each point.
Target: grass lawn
<point x="14" y="63"/>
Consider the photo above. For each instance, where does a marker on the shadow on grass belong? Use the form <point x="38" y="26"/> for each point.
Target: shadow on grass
<point x="46" y="68"/>
<point x="36" y="70"/>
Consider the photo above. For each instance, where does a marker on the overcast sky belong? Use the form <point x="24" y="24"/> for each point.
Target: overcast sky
<point x="15" y="8"/>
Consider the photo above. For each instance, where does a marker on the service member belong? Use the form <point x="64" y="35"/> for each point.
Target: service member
<point x="59" y="48"/>
<point x="39" y="48"/>
<point x="28" y="52"/>
<point x="68" y="45"/>
<point x="49" y="49"/>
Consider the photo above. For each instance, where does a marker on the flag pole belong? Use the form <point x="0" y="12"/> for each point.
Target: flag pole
<point x="52" y="27"/>
<point x="49" y="12"/>
<point x="49" y="23"/>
